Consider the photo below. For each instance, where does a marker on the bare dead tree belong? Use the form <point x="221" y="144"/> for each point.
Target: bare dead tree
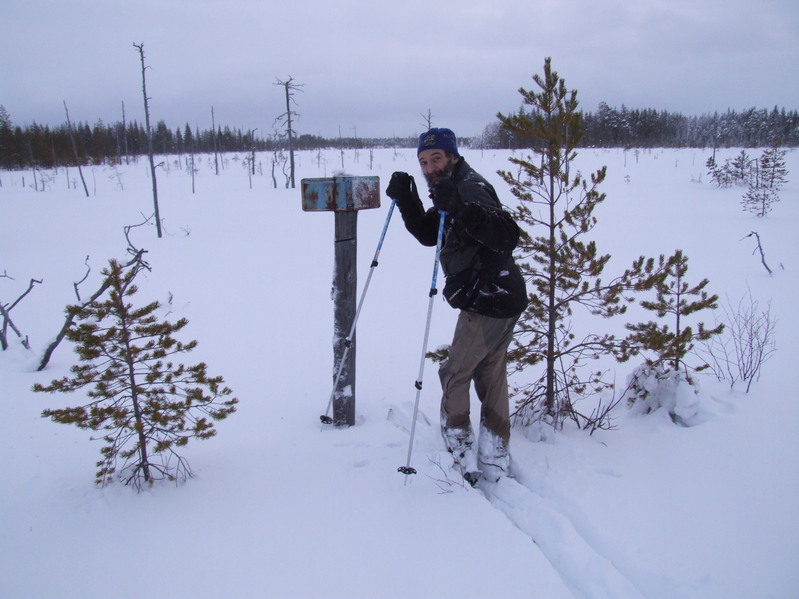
<point x="287" y="173"/>
<point x="33" y="168"/>
<point x="192" y="168"/>
<point x="285" y="118"/>
<point x="759" y="248"/>
<point x="251" y="154"/>
<point x="427" y="120"/>
<point x="125" y="135"/>
<point x="276" y="157"/>
<point x="341" y="147"/>
<point x="8" y="323"/>
<point x="148" y="130"/>
<point x="75" y="149"/>
<point x="216" y="147"/>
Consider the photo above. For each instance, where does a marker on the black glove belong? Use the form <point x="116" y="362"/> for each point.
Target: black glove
<point x="402" y="188"/>
<point x="445" y="196"/>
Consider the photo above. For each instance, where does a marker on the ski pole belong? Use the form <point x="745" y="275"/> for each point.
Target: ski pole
<point x="407" y="469"/>
<point x="325" y="418"/>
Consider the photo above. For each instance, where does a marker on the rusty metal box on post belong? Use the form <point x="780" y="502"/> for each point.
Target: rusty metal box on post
<point x="344" y="193"/>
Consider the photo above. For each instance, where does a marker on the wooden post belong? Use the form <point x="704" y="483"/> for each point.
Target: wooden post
<point x="344" y="196"/>
<point x="345" y="285"/>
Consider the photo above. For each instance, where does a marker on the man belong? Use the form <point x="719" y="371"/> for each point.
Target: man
<point x="483" y="282"/>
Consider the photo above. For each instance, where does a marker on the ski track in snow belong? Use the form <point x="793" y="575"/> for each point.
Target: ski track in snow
<point x="587" y="573"/>
<point x="588" y="565"/>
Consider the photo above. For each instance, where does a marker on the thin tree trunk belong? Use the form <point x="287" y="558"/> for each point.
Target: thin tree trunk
<point x="140" y="48"/>
<point x="144" y="460"/>
<point x="216" y="148"/>
<point x="289" y="87"/>
<point x="125" y="135"/>
<point x="291" y="134"/>
<point x="551" y="310"/>
<point x="75" y="150"/>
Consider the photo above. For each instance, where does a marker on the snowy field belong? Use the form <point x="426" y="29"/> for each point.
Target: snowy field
<point x="281" y="508"/>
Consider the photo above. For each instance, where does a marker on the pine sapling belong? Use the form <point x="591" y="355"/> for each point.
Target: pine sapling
<point x="741" y="168"/>
<point x="563" y="266"/>
<point x="768" y="178"/>
<point x="666" y="381"/>
<point x="144" y="405"/>
<point x="675" y="299"/>
<point x="720" y="175"/>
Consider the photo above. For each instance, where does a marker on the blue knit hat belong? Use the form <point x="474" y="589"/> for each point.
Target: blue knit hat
<point x="438" y="139"/>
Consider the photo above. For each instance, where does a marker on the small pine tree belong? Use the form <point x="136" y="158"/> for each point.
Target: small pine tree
<point x="721" y="175"/>
<point x="145" y="405"/>
<point x="713" y="170"/>
<point x="564" y="269"/>
<point x="740" y="168"/>
<point x="766" y="183"/>
<point x="674" y="298"/>
<point x="772" y="164"/>
<point x="758" y="200"/>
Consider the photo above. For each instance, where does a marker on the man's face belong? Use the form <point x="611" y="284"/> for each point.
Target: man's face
<point x="436" y="165"/>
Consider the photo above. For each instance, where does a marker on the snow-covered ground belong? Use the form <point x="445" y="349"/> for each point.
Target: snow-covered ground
<point x="282" y="508"/>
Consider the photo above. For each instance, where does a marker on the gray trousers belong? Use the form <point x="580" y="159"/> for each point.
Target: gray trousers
<point x="478" y="354"/>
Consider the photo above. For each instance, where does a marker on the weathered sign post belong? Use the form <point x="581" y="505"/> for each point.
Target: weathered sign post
<point x="343" y="195"/>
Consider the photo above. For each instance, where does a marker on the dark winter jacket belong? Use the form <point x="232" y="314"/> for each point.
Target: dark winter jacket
<point x="476" y="253"/>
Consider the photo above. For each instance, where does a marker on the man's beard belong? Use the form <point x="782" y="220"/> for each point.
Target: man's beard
<point x="439" y="175"/>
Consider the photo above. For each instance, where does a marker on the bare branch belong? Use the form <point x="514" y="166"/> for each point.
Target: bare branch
<point x="7" y="322"/>
<point x="747" y="342"/>
<point x="86" y="276"/>
<point x="759" y="248"/>
<point x="137" y="262"/>
<point x="132" y="249"/>
<point x="26" y="292"/>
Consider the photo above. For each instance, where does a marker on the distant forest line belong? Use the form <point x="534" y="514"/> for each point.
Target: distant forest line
<point x="43" y="146"/>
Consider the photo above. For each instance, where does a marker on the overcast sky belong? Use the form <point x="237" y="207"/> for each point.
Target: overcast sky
<point x="372" y="68"/>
